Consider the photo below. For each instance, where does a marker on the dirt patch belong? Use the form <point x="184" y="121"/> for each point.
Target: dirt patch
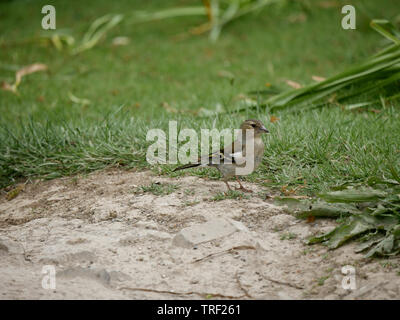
<point x="108" y="237"/>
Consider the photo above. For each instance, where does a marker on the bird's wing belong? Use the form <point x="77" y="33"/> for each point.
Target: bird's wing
<point x="236" y="153"/>
<point x="228" y="155"/>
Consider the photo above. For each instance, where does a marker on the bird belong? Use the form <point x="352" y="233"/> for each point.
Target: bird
<point x="233" y="161"/>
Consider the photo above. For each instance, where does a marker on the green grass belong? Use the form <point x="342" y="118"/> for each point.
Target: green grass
<point x="321" y="281"/>
<point x="45" y="134"/>
<point x="158" y="189"/>
<point x="231" y="194"/>
<point x="288" y="236"/>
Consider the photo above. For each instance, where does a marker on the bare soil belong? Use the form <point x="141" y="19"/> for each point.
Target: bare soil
<point x="108" y="241"/>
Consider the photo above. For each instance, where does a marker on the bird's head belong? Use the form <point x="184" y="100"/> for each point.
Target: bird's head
<point x="255" y="125"/>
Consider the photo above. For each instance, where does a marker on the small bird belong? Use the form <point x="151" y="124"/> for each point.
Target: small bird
<point x="232" y="159"/>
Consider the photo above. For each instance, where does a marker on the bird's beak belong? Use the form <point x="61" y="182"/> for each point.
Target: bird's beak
<point x="264" y="129"/>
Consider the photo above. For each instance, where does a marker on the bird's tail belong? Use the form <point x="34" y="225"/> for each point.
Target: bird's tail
<point x="186" y="166"/>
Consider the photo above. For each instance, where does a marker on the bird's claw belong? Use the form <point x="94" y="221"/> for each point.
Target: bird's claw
<point x="244" y="189"/>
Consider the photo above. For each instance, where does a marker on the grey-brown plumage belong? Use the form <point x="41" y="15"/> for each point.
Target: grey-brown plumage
<point x="233" y="161"/>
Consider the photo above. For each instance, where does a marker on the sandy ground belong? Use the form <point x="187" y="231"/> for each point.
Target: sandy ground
<point x="106" y="241"/>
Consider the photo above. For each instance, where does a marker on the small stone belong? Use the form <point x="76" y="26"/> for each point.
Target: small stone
<point x="205" y="232"/>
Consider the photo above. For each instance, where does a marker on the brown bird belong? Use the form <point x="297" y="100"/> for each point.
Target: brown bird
<point x="241" y="158"/>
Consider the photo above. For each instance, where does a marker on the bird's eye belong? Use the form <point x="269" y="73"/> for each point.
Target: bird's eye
<point x="253" y="125"/>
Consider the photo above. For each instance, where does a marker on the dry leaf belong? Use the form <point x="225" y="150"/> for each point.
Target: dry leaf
<point x="273" y="119"/>
<point x="23" y="72"/>
<point x="310" y="219"/>
<point x="293" y="84"/>
<point x="286" y="191"/>
<point x="318" y="79"/>
<point x="28" y="70"/>
<point x="298" y="197"/>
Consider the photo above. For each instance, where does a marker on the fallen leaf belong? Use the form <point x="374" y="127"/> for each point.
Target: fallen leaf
<point x="310" y="219"/>
<point x="297" y="197"/>
<point x="273" y="119"/>
<point x="21" y="73"/>
<point x="318" y="79"/>
<point x="293" y="84"/>
<point x="287" y="191"/>
<point x="28" y="70"/>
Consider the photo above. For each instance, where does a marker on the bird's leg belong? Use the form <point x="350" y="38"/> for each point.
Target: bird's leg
<point x="241" y="186"/>
<point x="229" y="188"/>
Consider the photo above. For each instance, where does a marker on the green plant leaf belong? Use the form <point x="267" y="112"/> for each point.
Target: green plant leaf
<point x="387" y="29"/>
<point x="333" y="239"/>
<point x="384" y="247"/>
<point x="353" y="195"/>
<point x="325" y="210"/>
